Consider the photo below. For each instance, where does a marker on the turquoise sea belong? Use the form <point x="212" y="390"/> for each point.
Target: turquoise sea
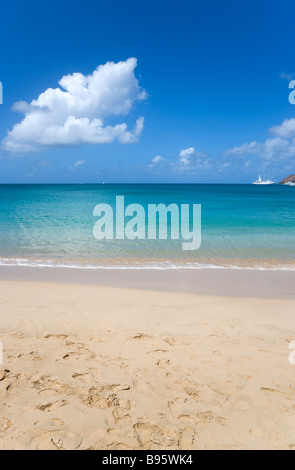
<point x="243" y="226"/>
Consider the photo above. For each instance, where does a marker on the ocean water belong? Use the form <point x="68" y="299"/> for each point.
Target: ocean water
<point x="243" y="226"/>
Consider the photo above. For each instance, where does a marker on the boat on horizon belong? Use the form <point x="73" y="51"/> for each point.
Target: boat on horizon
<point x="263" y="182"/>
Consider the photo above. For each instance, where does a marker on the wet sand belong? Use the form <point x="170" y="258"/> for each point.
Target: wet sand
<point x="220" y="282"/>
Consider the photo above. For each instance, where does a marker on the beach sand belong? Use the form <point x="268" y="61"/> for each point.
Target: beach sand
<point x="100" y="367"/>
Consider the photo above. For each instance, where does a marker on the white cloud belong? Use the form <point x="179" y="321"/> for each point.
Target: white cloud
<point x="273" y="151"/>
<point x="197" y="165"/>
<point x="191" y="160"/>
<point x="77" y="164"/>
<point x="285" y="130"/>
<point x="243" y="149"/>
<point x="187" y="161"/>
<point x="75" y="113"/>
<point x="186" y="154"/>
<point x="155" y="161"/>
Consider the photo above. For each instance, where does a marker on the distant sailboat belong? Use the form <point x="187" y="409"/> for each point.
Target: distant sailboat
<point x="261" y="181"/>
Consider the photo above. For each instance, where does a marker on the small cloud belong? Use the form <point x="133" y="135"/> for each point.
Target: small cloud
<point x="191" y="160"/>
<point x="285" y="130"/>
<point x="244" y="149"/>
<point x="186" y="154"/>
<point x="155" y="161"/>
<point x="77" y="164"/>
<point x="287" y="76"/>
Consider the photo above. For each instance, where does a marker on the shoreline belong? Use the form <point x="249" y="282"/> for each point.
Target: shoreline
<point x="213" y="282"/>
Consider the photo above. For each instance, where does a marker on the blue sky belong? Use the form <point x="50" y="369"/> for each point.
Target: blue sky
<point x="211" y="83"/>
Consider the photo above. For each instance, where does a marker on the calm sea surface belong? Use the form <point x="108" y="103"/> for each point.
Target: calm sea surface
<point x="242" y="226"/>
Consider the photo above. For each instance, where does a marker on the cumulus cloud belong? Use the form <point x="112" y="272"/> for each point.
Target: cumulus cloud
<point x="191" y="160"/>
<point x="188" y="160"/>
<point x="285" y="130"/>
<point x="186" y="154"/>
<point x="273" y="151"/>
<point x="76" y="112"/>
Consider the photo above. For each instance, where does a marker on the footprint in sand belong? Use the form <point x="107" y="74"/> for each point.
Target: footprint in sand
<point x="209" y="416"/>
<point x="124" y="403"/>
<point x="4" y="424"/>
<point x="186" y="419"/>
<point x="155" y="351"/>
<point x="177" y="405"/>
<point x="272" y="390"/>
<point x="170" y="341"/>
<point x="118" y="387"/>
<point x="55" y="439"/>
<point x="18" y="336"/>
<point x="144" y="433"/>
<point x="31" y="356"/>
<point x="3" y="374"/>
<point x="225" y="388"/>
<point x="95" y="400"/>
<point x="100" y="398"/>
<point x="96" y="340"/>
<point x="121" y="417"/>
<point x="47" y="391"/>
<point x="60" y="336"/>
<point x="46" y="382"/>
<point x="84" y="377"/>
<point x="142" y="336"/>
<point x="49" y="423"/>
<point x="18" y="381"/>
<point x="87" y="377"/>
<point x="118" y="432"/>
<point x="129" y="437"/>
<point x="73" y="355"/>
<point x="120" y="446"/>
<point x="186" y="440"/>
<point x="148" y="435"/>
<point x="53" y="405"/>
<point x="163" y="363"/>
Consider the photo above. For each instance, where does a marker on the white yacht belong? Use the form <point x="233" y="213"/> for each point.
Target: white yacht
<point x="261" y="181"/>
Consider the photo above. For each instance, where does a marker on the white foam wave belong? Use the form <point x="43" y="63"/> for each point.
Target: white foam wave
<point x="159" y="265"/>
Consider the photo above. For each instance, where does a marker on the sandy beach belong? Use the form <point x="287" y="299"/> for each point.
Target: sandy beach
<point x="101" y="367"/>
